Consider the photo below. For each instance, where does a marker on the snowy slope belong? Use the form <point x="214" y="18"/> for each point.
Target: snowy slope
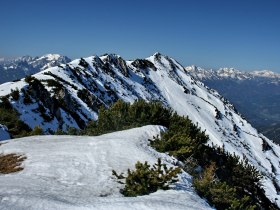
<point x="256" y="94"/>
<point x="4" y="134"/>
<point x="13" y="69"/>
<point x="69" y="172"/>
<point x="86" y="84"/>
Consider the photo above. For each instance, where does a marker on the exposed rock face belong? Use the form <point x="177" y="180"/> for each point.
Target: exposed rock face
<point x="117" y="62"/>
<point x="143" y="64"/>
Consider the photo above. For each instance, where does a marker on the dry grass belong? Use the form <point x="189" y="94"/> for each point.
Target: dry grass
<point x="11" y="163"/>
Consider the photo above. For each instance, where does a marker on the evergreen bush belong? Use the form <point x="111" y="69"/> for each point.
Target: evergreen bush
<point x="37" y="131"/>
<point x="146" y="179"/>
<point x="10" y="118"/>
<point x="220" y="194"/>
<point x="15" y="94"/>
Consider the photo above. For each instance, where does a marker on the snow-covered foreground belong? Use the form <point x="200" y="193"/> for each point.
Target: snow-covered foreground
<point x="69" y="172"/>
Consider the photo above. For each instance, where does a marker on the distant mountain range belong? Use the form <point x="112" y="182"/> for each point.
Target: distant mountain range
<point x="17" y="68"/>
<point x="232" y="73"/>
<point x="70" y="95"/>
<point x="256" y="94"/>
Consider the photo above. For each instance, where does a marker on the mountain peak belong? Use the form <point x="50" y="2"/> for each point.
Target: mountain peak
<point x="157" y="54"/>
<point x="51" y="56"/>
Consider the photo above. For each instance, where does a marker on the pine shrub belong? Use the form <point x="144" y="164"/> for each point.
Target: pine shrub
<point x="10" y="118"/>
<point x="15" y="94"/>
<point x="121" y="116"/>
<point x="37" y="130"/>
<point x="146" y="179"/>
<point x="220" y="194"/>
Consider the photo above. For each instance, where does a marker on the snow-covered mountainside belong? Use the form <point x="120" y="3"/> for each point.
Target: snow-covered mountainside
<point x="4" y="134"/>
<point x="13" y="69"/>
<point x="70" y="95"/>
<point x="256" y="94"/>
<point x="232" y="73"/>
<point x="77" y="173"/>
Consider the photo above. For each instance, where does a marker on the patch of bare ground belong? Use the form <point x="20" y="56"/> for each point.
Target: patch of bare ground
<point x="11" y="163"/>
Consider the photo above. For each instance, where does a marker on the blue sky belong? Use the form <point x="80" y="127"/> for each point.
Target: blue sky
<point x="210" y="33"/>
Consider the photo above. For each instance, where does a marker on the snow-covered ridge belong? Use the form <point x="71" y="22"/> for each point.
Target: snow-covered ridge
<point x="230" y="73"/>
<point x="70" y="172"/>
<point x="70" y="95"/>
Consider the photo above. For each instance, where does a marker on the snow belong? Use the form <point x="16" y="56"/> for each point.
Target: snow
<point x="229" y="73"/>
<point x="7" y="87"/>
<point x="167" y="83"/>
<point x="50" y="57"/>
<point x="70" y="172"/>
<point x="4" y="134"/>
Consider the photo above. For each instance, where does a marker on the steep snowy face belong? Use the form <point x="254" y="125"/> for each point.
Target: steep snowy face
<point x="256" y="94"/>
<point x="70" y="95"/>
<point x="70" y="172"/>
<point x="13" y="69"/>
<point x="4" y="134"/>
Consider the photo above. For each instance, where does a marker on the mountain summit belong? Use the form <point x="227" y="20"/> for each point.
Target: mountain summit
<point x="69" y="95"/>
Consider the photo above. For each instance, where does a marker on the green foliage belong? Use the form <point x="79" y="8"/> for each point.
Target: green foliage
<point x="5" y="103"/>
<point x="37" y="130"/>
<point x="146" y="179"/>
<point x="29" y="79"/>
<point x="26" y="99"/>
<point x="123" y="115"/>
<point x="15" y="94"/>
<point x="55" y="84"/>
<point x="10" y="118"/>
<point x="72" y="131"/>
<point x="220" y="194"/>
<point x="60" y="132"/>
<point x="182" y="140"/>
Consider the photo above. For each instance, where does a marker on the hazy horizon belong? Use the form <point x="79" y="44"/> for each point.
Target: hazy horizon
<point x="241" y="34"/>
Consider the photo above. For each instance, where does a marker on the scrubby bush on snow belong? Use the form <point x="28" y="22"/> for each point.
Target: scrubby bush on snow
<point x="37" y="130"/>
<point x="146" y="179"/>
<point x="220" y="194"/>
